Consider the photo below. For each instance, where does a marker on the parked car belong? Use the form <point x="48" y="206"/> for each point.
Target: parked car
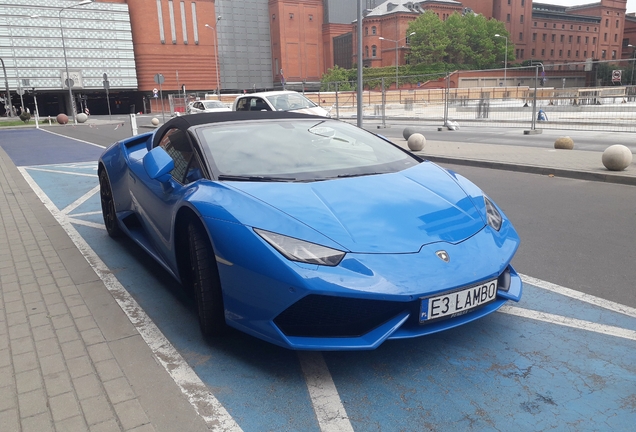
<point x="308" y="232"/>
<point x="289" y="101"/>
<point x="206" y="106"/>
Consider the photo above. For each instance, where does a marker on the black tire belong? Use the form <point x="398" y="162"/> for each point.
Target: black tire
<point x="108" y="205"/>
<point x="205" y="282"/>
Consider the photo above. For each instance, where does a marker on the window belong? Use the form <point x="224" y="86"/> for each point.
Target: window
<point x="173" y="30"/>
<point x="592" y="54"/>
<point x="606" y="22"/>
<point x="543" y="37"/>
<point x="551" y="53"/>
<point x="578" y="39"/>
<point x="605" y="37"/>
<point x="535" y="23"/>
<point x="587" y="39"/>
<point x="553" y="25"/>
<point x="374" y="50"/>
<point x="562" y="38"/>
<point x="615" y="38"/>
<point x="613" y="54"/>
<point x="366" y="51"/>
<point x="617" y="25"/>
<point x="521" y="19"/>
<point x="571" y="27"/>
<point x="545" y="24"/>
<point x="603" y="54"/>
<point x="587" y="29"/>
<point x="542" y="52"/>
<point x="563" y="26"/>
<point x="522" y="53"/>
<point x="534" y="37"/>
<point x="373" y="30"/>
<point x="570" y="38"/>
<point x="594" y="40"/>
<point x="569" y="53"/>
<point x="366" y="31"/>
<point x="162" y="36"/>
<point x="532" y="52"/>
<point x="508" y="18"/>
<point x="187" y="167"/>
<point x="560" y="53"/>
<point x="577" y="53"/>
<point x="520" y="36"/>
<point x="523" y="2"/>
<point x="195" y="28"/>
<point x="184" y="26"/>
<point x="585" y="54"/>
<point x="553" y="38"/>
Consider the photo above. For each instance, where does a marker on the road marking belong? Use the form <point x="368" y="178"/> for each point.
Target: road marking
<point x="81" y="200"/>
<point x="569" y="322"/>
<point x="587" y="298"/>
<point x="206" y="405"/>
<point x="74" y="139"/>
<point x="325" y="399"/>
<point x="62" y="172"/>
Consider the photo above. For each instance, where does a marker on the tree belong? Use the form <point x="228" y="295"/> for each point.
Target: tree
<point x="340" y="75"/>
<point x="467" y="40"/>
<point x="430" y="41"/>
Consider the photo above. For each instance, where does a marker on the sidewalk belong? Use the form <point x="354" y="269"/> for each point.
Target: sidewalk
<point x="578" y="164"/>
<point x="70" y="359"/>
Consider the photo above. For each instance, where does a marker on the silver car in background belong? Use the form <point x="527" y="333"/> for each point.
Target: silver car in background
<point x="278" y="101"/>
<point x="206" y="106"/>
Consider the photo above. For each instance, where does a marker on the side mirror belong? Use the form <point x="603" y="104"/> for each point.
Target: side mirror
<point x="158" y="164"/>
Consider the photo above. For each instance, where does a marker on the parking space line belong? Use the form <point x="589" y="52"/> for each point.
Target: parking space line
<point x="81" y="200"/>
<point x="325" y="399"/>
<point x="569" y="322"/>
<point x="206" y="405"/>
<point x="577" y="295"/>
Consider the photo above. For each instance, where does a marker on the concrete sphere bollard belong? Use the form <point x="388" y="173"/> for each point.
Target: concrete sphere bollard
<point x="154" y="121"/>
<point x="81" y="118"/>
<point x="416" y="142"/>
<point x="62" y="119"/>
<point x="407" y="132"/>
<point x="617" y="157"/>
<point x="564" y="143"/>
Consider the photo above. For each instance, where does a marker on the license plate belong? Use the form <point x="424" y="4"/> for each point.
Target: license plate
<point x="458" y="302"/>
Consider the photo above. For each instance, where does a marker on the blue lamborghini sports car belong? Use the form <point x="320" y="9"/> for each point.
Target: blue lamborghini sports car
<point x="309" y="232"/>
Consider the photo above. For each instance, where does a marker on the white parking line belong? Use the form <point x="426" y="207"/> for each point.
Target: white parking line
<point x="587" y="298"/>
<point x="569" y="322"/>
<point x="328" y="407"/>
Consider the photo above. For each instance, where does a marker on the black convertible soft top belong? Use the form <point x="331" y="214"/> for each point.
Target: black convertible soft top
<point x="187" y="121"/>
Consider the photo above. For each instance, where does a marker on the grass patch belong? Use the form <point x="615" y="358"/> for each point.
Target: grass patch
<point x="15" y="123"/>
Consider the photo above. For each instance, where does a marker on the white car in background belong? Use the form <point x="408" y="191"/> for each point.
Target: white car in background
<point x="278" y="101"/>
<point x="206" y="106"/>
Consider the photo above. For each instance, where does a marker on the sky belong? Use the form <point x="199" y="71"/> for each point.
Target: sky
<point x="631" y="4"/>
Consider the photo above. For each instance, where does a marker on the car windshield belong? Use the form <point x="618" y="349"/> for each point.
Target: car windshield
<point x="297" y="150"/>
<point x="213" y="104"/>
<point x="290" y="101"/>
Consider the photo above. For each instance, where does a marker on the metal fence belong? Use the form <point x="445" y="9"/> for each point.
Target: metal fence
<point x="603" y="107"/>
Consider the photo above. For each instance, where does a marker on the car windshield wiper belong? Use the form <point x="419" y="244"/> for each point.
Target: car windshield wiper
<point x="359" y="174"/>
<point x="255" y="178"/>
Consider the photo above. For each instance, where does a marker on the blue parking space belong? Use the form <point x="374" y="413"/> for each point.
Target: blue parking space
<point x="503" y="372"/>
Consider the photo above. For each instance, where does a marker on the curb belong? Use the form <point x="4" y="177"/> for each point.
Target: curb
<point x="559" y="172"/>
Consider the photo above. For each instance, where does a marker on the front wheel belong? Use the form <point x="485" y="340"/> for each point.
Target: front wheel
<point x="206" y="282"/>
<point x="108" y="205"/>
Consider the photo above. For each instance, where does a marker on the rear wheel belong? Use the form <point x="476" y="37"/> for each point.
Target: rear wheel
<point x="108" y="205"/>
<point x="205" y="282"/>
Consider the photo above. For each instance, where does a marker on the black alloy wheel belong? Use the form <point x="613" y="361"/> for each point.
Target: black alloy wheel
<point x="205" y="282"/>
<point x="108" y="205"/>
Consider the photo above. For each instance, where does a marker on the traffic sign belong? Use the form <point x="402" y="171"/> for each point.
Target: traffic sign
<point x="159" y="79"/>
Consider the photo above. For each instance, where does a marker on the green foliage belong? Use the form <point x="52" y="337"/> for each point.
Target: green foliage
<point x="465" y="40"/>
<point x="462" y="42"/>
<point x="25" y="116"/>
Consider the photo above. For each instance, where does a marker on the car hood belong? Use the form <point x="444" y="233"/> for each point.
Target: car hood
<point x="385" y="213"/>
<point x="313" y="111"/>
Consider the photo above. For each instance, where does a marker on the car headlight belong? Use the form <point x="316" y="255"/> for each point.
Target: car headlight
<point x="302" y="251"/>
<point x="492" y="214"/>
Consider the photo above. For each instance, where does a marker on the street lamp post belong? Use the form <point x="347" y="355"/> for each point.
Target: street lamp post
<point x="7" y="97"/>
<point x="216" y="56"/>
<point x="396" y="54"/>
<point x="631" y="80"/>
<point x="505" y="59"/>
<point x="68" y="77"/>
